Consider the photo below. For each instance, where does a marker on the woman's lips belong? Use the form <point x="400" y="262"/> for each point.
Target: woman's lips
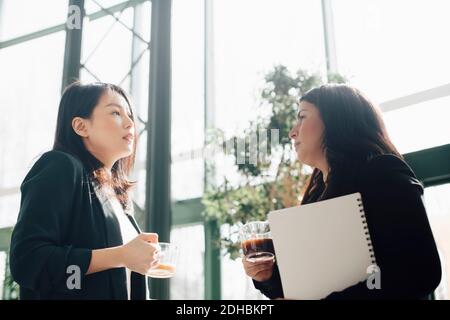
<point x="128" y="137"/>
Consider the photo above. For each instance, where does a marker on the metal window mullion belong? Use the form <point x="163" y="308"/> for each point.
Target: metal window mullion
<point x="158" y="167"/>
<point x="72" y="51"/>
<point x="136" y="76"/>
<point x="117" y="19"/>
<point x="329" y="38"/>
<point x="212" y="267"/>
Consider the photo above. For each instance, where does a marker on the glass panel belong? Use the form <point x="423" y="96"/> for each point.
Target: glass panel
<point x="9" y="209"/>
<point x="187" y="179"/>
<point x="392" y="48"/>
<point x="92" y="6"/>
<point x="187" y="75"/>
<point x="19" y="17"/>
<point x="139" y="172"/>
<point x="262" y="34"/>
<point x="438" y="209"/>
<point x="420" y="126"/>
<point x="107" y="57"/>
<point x="144" y="26"/>
<point x="140" y="82"/>
<point x="32" y="72"/>
<point x="187" y="97"/>
<point x="139" y="89"/>
<point x="235" y="283"/>
<point x="189" y="282"/>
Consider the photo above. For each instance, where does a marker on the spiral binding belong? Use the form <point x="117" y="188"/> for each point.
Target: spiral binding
<point x="366" y="230"/>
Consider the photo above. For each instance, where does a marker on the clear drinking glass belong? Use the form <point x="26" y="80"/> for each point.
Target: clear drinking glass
<point x="256" y="241"/>
<point x="168" y="256"/>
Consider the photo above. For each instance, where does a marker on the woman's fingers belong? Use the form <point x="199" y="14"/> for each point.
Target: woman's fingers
<point x="149" y="237"/>
<point x="253" y="268"/>
<point x="261" y="267"/>
<point x="258" y="270"/>
<point x="263" y="275"/>
<point x="257" y="264"/>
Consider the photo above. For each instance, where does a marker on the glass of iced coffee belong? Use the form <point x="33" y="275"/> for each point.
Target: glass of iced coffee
<point x="256" y="241"/>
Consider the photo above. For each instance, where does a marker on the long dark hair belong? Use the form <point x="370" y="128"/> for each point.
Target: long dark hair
<point x="79" y="100"/>
<point x="354" y="132"/>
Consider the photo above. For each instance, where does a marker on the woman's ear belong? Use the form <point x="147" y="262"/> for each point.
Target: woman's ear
<point x="80" y="127"/>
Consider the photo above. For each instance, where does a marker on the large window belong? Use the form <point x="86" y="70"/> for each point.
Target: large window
<point x="392" y="48"/>
<point x="420" y="126"/>
<point x="32" y="72"/>
<point x="20" y="17"/>
<point x="30" y="78"/>
<point x="250" y="38"/>
<point x="189" y="281"/>
<point x="106" y="37"/>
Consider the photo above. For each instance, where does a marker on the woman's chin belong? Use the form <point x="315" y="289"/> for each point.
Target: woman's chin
<point x="300" y="156"/>
<point x="128" y="147"/>
<point x="304" y="160"/>
<point x="126" y="152"/>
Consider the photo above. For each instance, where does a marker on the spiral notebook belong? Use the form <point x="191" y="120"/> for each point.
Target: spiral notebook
<point x="323" y="247"/>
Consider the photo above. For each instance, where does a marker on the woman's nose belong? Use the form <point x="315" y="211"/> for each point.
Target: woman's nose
<point x="129" y="122"/>
<point x="293" y="133"/>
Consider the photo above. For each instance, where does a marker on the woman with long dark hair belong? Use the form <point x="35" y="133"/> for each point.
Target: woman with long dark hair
<point x="341" y="134"/>
<point x="75" y="236"/>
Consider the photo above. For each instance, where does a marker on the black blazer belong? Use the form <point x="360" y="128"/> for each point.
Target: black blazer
<point x="402" y="240"/>
<point x="60" y="222"/>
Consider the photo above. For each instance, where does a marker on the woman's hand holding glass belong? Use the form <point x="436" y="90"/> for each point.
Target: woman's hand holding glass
<point x="258" y="250"/>
<point x="258" y="270"/>
<point x="141" y="254"/>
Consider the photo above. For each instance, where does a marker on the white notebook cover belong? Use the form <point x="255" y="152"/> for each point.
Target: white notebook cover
<point x="321" y="247"/>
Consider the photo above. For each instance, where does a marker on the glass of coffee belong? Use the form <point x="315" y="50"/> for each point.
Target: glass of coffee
<point x="168" y="255"/>
<point x="256" y="241"/>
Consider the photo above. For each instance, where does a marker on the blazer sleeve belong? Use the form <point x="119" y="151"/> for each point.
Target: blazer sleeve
<point x="402" y="239"/>
<point x="271" y="288"/>
<point x="39" y="258"/>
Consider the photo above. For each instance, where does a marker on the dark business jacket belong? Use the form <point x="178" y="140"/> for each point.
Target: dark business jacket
<point x="404" y="247"/>
<point x="60" y="222"/>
